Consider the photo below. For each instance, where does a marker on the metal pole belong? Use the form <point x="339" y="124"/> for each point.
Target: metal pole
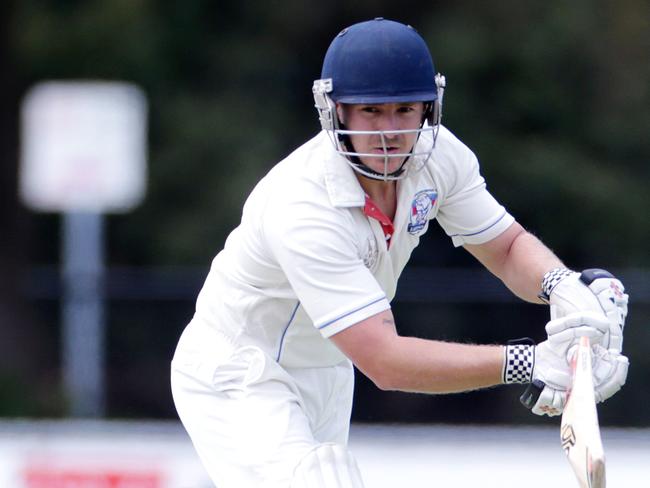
<point x="83" y="313"/>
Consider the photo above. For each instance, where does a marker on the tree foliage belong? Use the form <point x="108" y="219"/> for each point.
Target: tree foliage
<point x="552" y="97"/>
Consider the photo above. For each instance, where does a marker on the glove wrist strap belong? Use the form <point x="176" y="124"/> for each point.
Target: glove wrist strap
<point x="551" y="280"/>
<point x="519" y="361"/>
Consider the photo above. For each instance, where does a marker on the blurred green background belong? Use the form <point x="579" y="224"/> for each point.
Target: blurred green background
<point x="554" y="97"/>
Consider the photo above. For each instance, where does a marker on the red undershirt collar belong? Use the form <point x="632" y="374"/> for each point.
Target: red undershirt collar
<point x="372" y="210"/>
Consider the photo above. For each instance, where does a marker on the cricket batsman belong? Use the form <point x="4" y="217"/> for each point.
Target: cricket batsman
<point x="262" y="376"/>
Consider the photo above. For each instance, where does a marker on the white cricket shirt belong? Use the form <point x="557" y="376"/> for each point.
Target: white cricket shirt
<point x="306" y="261"/>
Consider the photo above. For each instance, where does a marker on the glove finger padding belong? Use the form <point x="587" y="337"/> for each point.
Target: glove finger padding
<point x="551" y="366"/>
<point x="550" y="402"/>
<point x="563" y="332"/>
<point x="613" y="300"/>
<point x="609" y="372"/>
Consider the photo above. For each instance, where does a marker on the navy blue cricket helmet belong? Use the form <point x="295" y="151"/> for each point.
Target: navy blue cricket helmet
<point x="379" y="61"/>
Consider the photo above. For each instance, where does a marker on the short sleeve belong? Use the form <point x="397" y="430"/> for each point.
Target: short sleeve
<point x="315" y="246"/>
<point x="468" y="213"/>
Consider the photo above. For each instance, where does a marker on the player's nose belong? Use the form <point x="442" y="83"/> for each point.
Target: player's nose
<point x="389" y="122"/>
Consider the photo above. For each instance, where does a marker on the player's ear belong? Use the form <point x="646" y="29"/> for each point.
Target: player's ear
<point x="339" y="112"/>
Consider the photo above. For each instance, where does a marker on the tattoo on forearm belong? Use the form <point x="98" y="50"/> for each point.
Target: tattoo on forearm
<point x="390" y="322"/>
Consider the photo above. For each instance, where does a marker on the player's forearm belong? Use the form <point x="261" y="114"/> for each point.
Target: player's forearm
<point x="394" y="362"/>
<point x="526" y="263"/>
<point x="519" y="259"/>
<point x="425" y="366"/>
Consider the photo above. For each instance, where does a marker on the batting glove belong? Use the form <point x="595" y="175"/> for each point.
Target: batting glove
<point x="609" y="375"/>
<point x="592" y="290"/>
<point x="547" y="366"/>
<point x="609" y="371"/>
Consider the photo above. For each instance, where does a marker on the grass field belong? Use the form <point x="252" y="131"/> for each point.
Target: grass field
<point x="499" y="457"/>
<point x="116" y="454"/>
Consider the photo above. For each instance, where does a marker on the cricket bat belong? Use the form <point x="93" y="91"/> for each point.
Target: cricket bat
<point x="580" y="431"/>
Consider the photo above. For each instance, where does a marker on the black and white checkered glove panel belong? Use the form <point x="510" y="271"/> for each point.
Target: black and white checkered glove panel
<point x="593" y="290"/>
<point x="547" y="365"/>
<point x="519" y="362"/>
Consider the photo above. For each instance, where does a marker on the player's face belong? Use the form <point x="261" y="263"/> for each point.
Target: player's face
<point x="383" y="117"/>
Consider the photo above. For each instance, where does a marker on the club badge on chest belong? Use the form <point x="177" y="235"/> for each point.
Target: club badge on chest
<point x="421" y="206"/>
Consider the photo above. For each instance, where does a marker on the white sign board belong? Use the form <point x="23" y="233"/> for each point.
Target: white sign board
<point x="83" y="147"/>
<point x="98" y="455"/>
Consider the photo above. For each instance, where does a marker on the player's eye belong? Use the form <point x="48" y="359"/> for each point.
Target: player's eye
<point x="370" y="109"/>
<point x="406" y="109"/>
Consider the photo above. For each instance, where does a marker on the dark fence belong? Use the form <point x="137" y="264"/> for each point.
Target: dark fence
<point x="147" y="309"/>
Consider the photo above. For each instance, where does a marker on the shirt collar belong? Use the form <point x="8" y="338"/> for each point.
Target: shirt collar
<point x="341" y="181"/>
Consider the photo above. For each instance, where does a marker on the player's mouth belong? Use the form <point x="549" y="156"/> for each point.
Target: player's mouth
<point x="386" y="150"/>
